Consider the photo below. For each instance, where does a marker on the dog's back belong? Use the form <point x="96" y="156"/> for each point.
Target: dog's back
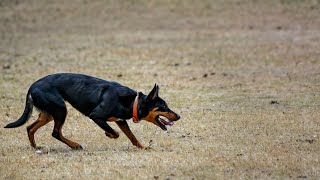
<point x="81" y="91"/>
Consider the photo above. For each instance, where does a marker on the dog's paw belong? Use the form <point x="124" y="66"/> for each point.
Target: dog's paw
<point x="113" y="136"/>
<point x="140" y="146"/>
<point x="77" y="147"/>
<point x="146" y="148"/>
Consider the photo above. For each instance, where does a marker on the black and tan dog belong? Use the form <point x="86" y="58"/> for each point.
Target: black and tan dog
<point x="98" y="99"/>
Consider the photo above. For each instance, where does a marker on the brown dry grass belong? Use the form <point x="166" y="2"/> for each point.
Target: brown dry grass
<point x="219" y="64"/>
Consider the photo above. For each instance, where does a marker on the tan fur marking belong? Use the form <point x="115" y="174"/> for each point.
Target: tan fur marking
<point x="42" y="120"/>
<point x="113" y="119"/>
<point x="125" y="128"/>
<point x="151" y="117"/>
<point x="70" y="143"/>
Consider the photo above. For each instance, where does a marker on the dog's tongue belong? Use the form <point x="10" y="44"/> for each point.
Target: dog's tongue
<point x="167" y="122"/>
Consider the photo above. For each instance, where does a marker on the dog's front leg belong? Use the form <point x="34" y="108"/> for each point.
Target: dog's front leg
<point x="108" y="130"/>
<point x="123" y="125"/>
<point x="101" y="111"/>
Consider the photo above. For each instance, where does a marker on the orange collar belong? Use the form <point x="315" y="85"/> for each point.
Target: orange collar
<point x="135" y="110"/>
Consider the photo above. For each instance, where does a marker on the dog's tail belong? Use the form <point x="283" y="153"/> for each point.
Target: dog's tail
<point x="26" y="114"/>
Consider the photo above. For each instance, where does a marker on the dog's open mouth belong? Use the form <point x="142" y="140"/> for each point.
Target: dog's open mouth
<point x="163" y="122"/>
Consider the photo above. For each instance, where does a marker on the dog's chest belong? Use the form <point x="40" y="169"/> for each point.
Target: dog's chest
<point x="113" y="119"/>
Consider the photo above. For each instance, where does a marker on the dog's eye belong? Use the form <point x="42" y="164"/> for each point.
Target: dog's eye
<point x="163" y="108"/>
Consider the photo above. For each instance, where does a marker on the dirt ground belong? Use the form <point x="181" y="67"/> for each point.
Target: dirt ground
<point x="243" y="75"/>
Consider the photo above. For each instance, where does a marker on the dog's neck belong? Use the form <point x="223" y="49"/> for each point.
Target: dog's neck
<point x="135" y="117"/>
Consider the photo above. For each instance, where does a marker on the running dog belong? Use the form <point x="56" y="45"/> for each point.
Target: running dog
<point x="98" y="99"/>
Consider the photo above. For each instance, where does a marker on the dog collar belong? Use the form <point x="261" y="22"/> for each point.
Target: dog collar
<point x="135" y="118"/>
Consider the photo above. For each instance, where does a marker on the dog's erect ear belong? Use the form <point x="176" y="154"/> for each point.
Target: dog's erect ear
<point x="154" y="93"/>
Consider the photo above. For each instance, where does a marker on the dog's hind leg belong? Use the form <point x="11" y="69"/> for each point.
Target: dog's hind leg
<point x="123" y="125"/>
<point x="42" y="120"/>
<point x="51" y="102"/>
<point x="59" y="116"/>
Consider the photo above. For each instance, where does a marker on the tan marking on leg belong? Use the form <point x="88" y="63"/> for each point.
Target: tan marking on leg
<point x="70" y="143"/>
<point x="42" y="120"/>
<point x="125" y="128"/>
<point x="112" y="136"/>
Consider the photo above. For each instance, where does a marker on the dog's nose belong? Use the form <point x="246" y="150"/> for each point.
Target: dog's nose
<point x="178" y="117"/>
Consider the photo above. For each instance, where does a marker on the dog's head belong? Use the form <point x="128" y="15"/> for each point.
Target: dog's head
<point x="155" y="110"/>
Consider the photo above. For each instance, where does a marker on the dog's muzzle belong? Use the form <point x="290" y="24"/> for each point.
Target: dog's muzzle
<point x="164" y="121"/>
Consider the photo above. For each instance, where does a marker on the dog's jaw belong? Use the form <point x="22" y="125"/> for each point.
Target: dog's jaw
<point x="162" y="122"/>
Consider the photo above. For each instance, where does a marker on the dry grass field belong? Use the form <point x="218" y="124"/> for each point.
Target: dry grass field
<point x="243" y="74"/>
